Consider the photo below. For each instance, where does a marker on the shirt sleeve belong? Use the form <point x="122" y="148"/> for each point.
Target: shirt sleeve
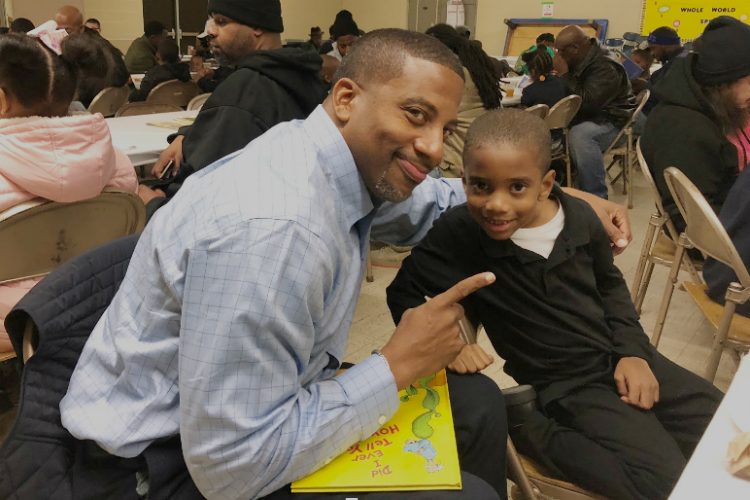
<point x="406" y="223"/>
<point x="629" y="339"/>
<point x="249" y="422"/>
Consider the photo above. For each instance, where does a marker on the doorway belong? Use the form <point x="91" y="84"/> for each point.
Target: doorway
<point x="184" y="19"/>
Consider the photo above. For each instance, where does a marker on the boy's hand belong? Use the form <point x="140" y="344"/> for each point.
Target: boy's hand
<point x="172" y="153"/>
<point x="428" y="336"/>
<point x="636" y="383"/>
<point x="471" y="359"/>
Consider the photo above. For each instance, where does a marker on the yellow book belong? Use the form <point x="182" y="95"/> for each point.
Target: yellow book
<point x="415" y="450"/>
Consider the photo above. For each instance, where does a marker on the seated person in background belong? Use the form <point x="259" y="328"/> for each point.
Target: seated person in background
<point x="209" y="79"/>
<point x="546" y="88"/>
<point x="666" y="46"/>
<point x="94" y="24"/>
<point x="141" y="55"/>
<point x="327" y="46"/>
<point x="197" y="62"/>
<point x="547" y="40"/>
<point x="330" y="67"/>
<point x="270" y="85"/>
<point x="481" y="93"/>
<point x="345" y="32"/>
<point x="614" y="416"/>
<point x="170" y="68"/>
<point x="316" y="39"/>
<point x="595" y="74"/>
<point x="44" y="153"/>
<point x="704" y="98"/>
<point x="644" y="58"/>
<point x="21" y="25"/>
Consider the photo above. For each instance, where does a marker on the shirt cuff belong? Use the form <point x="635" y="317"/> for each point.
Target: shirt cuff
<point x="371" y="389"/>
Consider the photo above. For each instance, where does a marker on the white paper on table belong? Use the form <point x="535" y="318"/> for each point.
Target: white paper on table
<point x="124" y="146"/>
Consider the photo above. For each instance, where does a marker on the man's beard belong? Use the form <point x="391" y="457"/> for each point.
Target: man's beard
<point x="386" y="191"/>
<point x="731" y="117"/>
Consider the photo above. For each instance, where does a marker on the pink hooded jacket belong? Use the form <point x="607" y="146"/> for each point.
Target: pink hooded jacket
<point x="59" y="159"/>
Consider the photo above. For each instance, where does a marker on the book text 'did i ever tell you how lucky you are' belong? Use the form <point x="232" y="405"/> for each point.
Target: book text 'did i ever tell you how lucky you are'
<point x="415" y="450"/>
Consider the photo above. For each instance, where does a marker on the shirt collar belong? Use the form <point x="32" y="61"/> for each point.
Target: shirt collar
<point x="338" y="162"/>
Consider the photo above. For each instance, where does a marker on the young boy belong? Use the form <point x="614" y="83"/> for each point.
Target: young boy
<point x="170" y="68"/>
<point x="614" y="416"/>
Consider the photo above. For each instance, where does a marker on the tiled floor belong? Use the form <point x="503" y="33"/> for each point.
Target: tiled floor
<point x="686" y="338"/>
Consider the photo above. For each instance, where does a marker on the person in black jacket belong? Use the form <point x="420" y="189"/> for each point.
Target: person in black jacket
<point x="545" y="88"/>
<point x="270" y="85"/>
<point x="596" y="75"/>
<point x="705" y="97"/>
<point x="170" y="68"/>
<point x="615" y="416"/>
<point x="666" y="47"/>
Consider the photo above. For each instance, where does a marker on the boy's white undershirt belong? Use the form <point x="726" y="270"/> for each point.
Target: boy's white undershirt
<point x="541" y="240"/>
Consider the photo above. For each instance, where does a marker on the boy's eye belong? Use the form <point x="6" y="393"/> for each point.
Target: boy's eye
<point x="518" y="187"/>
<point x="479" y="185"/>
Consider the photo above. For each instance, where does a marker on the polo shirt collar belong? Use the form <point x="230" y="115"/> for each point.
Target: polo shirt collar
<point x="336" y="158"/>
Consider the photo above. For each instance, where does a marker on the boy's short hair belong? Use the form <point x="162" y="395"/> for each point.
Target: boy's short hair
<point x="169" y="51"/>
<point x="514" y="127"/>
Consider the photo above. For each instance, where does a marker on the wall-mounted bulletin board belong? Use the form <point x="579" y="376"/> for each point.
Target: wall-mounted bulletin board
<point x="522" y="33"/>
<point x="689" y="17"/>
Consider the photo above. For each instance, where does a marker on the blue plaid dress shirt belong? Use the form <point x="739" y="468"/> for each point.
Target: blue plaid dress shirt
<point x="235" y="311"/>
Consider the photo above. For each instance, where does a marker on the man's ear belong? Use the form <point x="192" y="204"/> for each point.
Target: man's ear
<point x="5" y="103"/>
<point x="548" y="181"/>
<point x="343" y="95"/>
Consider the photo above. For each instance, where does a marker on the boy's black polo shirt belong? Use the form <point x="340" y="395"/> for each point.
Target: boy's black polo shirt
<point x="559" y="322"/>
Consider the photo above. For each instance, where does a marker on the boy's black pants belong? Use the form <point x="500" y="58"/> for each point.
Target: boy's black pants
<point x="612" y="448"/>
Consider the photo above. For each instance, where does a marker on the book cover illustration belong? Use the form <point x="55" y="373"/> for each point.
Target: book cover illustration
<point x="631" y="68"/>
<point x="415" y="450"/>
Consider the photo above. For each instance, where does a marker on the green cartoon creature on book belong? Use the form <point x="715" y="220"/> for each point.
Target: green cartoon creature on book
<point x="421" y="427"/>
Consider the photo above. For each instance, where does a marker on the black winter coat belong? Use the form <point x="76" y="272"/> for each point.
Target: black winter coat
<point x="683" y="132"/>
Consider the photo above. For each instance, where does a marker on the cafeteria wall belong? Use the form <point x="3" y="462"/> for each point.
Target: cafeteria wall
<point x="623" y="16"/>
<point x="374" y="14"/>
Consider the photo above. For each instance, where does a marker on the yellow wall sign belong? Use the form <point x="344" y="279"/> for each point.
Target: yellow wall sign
<point x="690" y="17"/>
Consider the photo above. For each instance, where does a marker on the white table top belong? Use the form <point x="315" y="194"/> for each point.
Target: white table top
<point x="143" y="143"/>
<point x="706" y="475"/>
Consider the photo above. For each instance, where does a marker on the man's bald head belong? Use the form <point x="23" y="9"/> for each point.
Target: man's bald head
<point x="70" y="19"/>
<point x="572" y="45"/>
<point x="330" y="66"/>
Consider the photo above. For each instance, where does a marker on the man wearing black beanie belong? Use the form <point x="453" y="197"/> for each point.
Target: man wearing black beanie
<point x="271" y="85"/>
<point x="704" y="99"/>
<point x="345" y="32"/>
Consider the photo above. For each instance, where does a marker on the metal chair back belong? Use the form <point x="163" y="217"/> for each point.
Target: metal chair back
<point x="109" y="101"/>
<point x="641" y="99"/>
<point x="704" y="229"/>
<point x="174" y="92"/>
<point x="673" y="234"/>
<point x="563" y="112"/>
<point x="39" y="235"/>
<point x="196" y="104"/>
<point x="540" y="110"/>
<point x="146" y="108"/>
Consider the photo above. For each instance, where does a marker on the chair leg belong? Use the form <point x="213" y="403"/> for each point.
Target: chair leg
<point x="647" y="244"/>
<point x="369" y="275"/>
<point x="668" y="291"/>
<point x="629" y="177"/>
<point x="694" y="274"/>
<point x="518" y="474"/>
<point x="646" y="282"/>
<point x="568" y="168"/>
<point x="721" y="336"/>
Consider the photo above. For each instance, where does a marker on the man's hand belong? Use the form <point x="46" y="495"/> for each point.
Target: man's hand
<point x="428" y="336"/>
<point x="173" y="152"/>
<point x="559" y="65"/>
<point x="471" y="359"/>
<point x="636" y="383"/>
<point x="147" y="194"/>
<point x="614" y="218"/>
<point x="205" y="72"/>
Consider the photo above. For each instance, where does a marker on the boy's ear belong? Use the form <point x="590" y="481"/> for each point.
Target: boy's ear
<point x="5" y="103"/>
<point x="548" y="182"/>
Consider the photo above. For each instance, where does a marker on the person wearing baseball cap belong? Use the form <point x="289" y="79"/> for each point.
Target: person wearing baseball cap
<point x="705" y="97"/>
<point x="270" y="85"/>
<point x="666" y="47"/>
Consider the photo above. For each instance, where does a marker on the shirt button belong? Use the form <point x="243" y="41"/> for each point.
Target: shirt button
<point x="327" y="461"/>
<point x="382" y="420"/>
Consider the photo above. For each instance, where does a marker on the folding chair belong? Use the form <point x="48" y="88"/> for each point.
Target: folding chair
<point x="659" y="247"/>
<point x="559" y="117"/>
<point x="174" y="92"/>
<point x="109" y="101"/>
<point x="705" y="232"/>
<point x="540" y="110"/>
<point x="39" y="235"/>
<point x="146" y="108"/>
<point x="196" y="104"/>
<point x="623" y="153"/>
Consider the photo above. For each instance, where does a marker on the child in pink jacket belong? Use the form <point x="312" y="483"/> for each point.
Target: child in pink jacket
<point x="43" y="152"/>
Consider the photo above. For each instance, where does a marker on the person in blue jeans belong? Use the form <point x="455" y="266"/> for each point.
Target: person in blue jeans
<point x="592" y="72"/>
